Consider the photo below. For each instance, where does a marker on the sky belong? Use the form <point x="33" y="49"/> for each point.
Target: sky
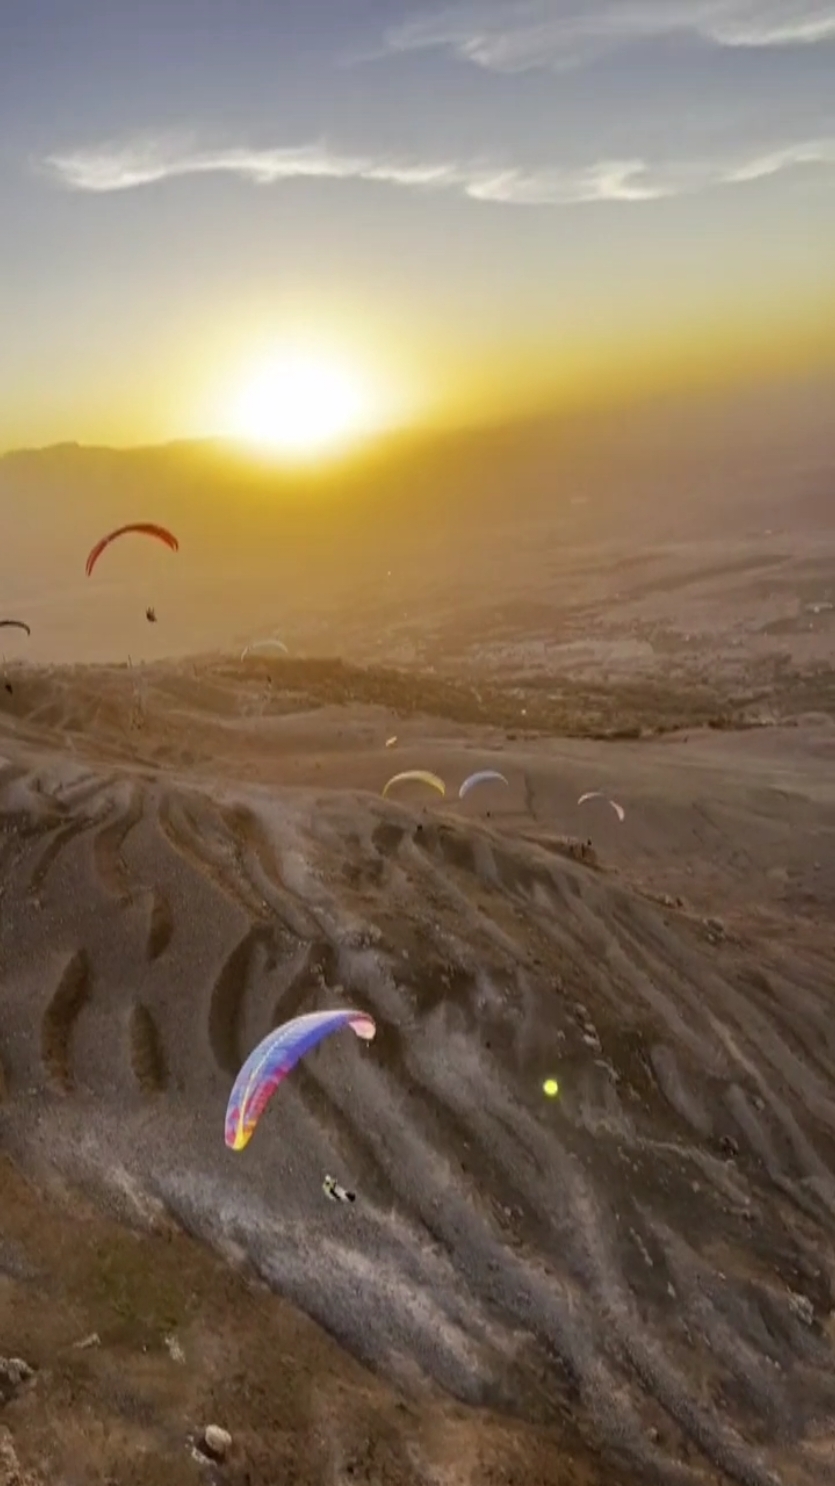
<point x="476" y="208"/>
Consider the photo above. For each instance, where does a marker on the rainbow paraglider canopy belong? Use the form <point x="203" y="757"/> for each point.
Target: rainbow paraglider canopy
<point x="271" y="1061"/>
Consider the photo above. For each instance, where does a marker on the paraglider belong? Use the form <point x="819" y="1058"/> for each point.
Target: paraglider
<point x="13" y="624"/>
<point x="274" y="1057"/>
<point x="596" y="794"/>
<point x="258" y="646"/>
<point x="420" y="776"/>
<point x="482" y="776"/>
<point x="143" y="528"/>
<point x="336" y="1192"/>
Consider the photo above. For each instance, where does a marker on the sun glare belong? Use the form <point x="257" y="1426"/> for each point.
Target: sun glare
<point x="301" y="404"/>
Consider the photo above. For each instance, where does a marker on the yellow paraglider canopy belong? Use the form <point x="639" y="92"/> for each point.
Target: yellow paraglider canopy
<point x="420" y="776"/>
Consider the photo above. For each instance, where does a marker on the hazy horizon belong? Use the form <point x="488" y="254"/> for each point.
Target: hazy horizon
<point x="343" y="558"/>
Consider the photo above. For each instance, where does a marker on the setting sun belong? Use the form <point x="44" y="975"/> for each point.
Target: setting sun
<point x="301" y="403"/>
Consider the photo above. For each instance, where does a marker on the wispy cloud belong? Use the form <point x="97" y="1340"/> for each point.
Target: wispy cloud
<point x="520" y="35"/>
<point x="122" y="167"/>
<point x="126" y="167"/>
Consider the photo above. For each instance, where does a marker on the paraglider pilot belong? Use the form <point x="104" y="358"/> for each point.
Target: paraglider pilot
<point x="336" y="1192"/>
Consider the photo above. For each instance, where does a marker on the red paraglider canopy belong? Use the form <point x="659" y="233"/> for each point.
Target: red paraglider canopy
<point x="144" y="528"/>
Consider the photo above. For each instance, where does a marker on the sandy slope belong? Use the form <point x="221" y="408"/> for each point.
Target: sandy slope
<point x="647" y="1259"/>
<point x="140" y="1339"/>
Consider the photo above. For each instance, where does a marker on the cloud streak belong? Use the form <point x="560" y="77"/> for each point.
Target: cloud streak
<point x="127" y="167"/>
<point x="521" y="35"/>
<point x="124" y="167"/>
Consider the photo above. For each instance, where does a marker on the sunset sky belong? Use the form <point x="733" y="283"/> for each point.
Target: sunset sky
<point x="458" y="210"/>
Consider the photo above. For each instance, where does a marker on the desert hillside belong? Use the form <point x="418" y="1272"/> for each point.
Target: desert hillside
<point x="631" y="1281"/>
<point x="192" y="853"/>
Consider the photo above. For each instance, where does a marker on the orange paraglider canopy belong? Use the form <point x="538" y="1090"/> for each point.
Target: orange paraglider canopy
<point x="144" y="528"/>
